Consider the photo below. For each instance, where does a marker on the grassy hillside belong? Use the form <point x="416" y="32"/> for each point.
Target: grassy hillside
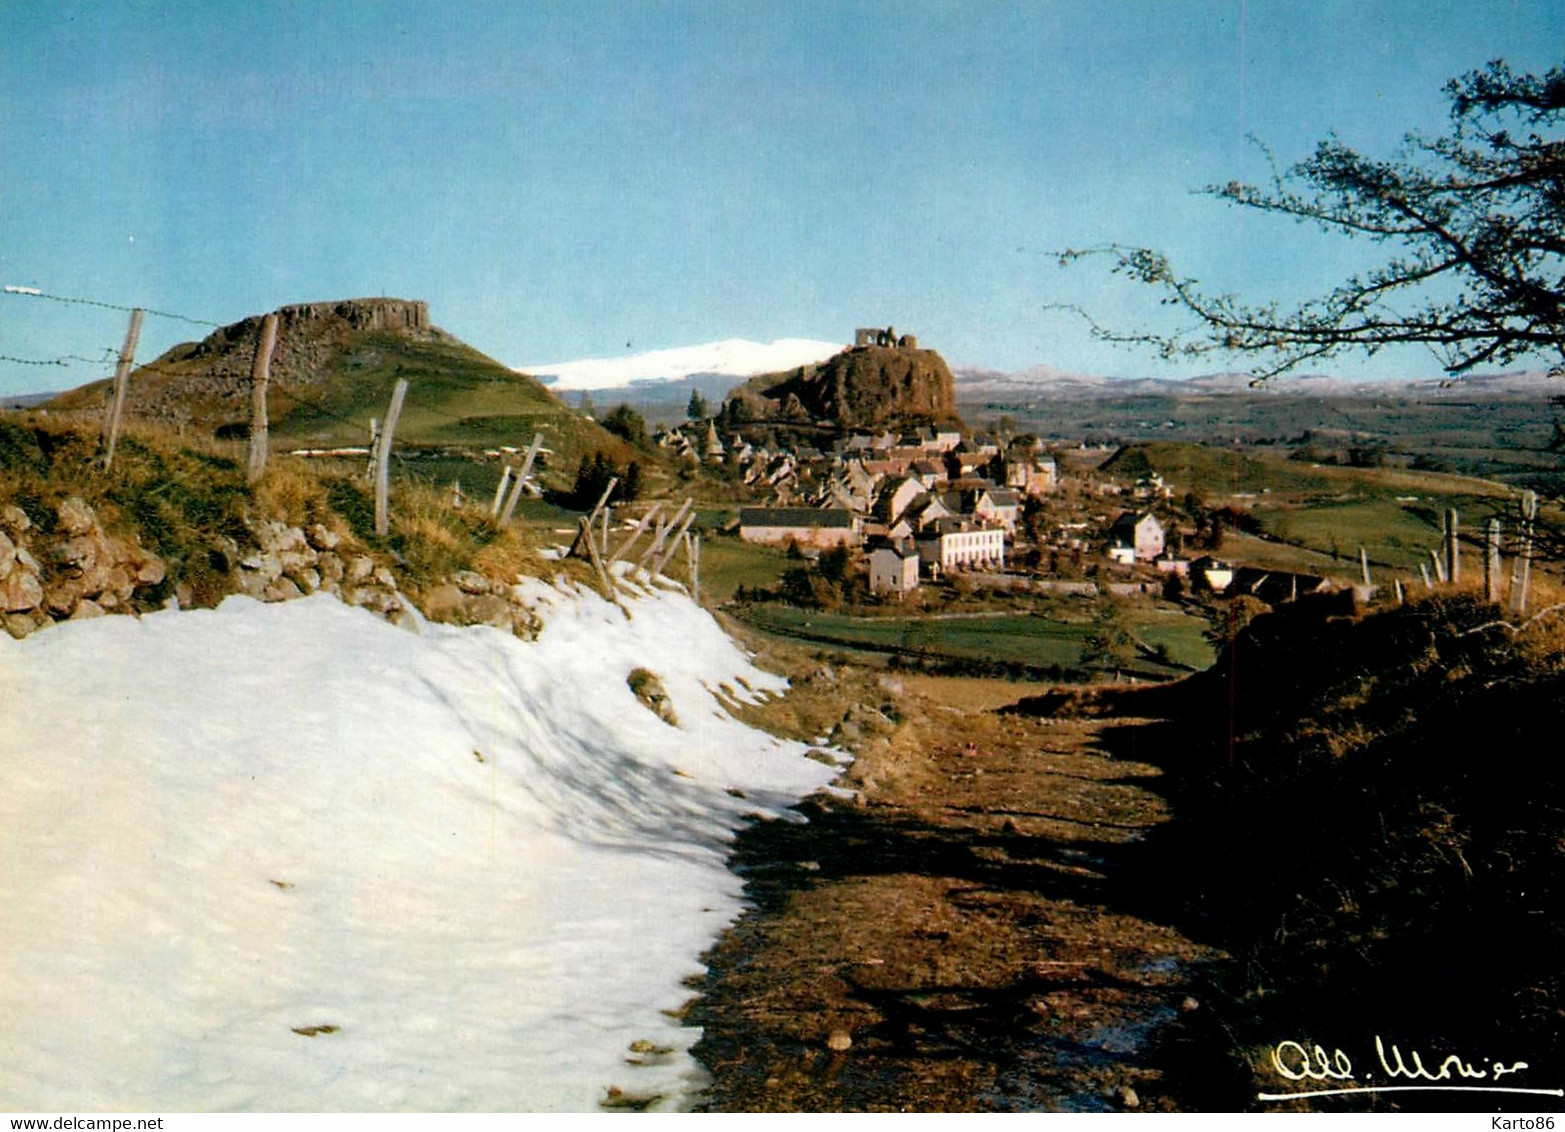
<point x="457" y="397"/>
<point x="1317" y="516"/>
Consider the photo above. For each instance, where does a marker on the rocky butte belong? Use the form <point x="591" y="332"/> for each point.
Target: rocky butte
<point x="209" y="381"/>
<point x="881" y="381"/>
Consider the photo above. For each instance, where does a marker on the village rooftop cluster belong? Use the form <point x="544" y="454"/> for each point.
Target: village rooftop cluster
<point x="940" y="502"/>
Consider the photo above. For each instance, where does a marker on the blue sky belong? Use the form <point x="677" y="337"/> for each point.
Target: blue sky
<point x="560" y="179"/>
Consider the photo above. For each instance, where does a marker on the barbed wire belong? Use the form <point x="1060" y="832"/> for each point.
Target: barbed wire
<point x="34" y="293"/>
<point x="62" y="360"/>
<point x="33" y="361"/>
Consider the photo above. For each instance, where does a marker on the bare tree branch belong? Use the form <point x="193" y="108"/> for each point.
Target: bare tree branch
<point x="1477" y="216"/>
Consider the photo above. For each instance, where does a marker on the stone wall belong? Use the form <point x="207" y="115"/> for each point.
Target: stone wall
<point x="78" y="570"/>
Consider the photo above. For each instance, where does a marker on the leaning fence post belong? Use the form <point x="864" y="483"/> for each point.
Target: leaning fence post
<point x="499" y="491"/>
<point x="111" y="424"/>
<point x="521" y="478"/>
<point x="636" y="534"/>
<point x="662" y="535"/>
<point x="383" y="458"/>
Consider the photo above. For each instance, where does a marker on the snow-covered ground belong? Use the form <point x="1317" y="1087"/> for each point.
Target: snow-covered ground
<point x="480" y="861"/>
<point x="732" y="357"/>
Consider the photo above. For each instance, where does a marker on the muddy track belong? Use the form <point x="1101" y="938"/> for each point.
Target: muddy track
<point x="967" y="934"/>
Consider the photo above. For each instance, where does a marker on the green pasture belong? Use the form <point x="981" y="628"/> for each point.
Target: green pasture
<point x="1008" y="638"/>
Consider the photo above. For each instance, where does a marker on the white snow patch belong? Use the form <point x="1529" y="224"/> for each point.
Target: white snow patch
<point x="481" y="859"/>
<point x="732" y="357"/>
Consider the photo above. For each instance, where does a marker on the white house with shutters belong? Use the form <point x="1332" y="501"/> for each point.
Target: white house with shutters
<point x="961" y="544"/>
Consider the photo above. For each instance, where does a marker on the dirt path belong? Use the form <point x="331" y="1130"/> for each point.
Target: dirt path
<point x="961" y="935"/>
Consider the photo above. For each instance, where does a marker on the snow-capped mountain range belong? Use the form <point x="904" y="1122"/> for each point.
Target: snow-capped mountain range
<point x="714" y="367"/>
<point x="732" y="357"/>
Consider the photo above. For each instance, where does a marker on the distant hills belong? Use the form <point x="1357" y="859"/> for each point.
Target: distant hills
<point x="1042" y="383"/>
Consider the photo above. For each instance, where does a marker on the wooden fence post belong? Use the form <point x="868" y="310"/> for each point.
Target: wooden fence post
<point x="636" y="534"/>
<point x="1364" y="567"/>
<point x="1529" y="513"/>
<point x="260" y="374"/>
<point x="660" y="559"/>
<point x="1453" y="555"/>
<point x="383" y="458"/>
<point x="610" y="590"/>
<point x="521" y="478"/>
<point x="499" y="491"/>
<point x="662" y="534"/>
<point x="111" y="423"/>
<point x="586" y="531"/>
<point x="1491" y="563"/>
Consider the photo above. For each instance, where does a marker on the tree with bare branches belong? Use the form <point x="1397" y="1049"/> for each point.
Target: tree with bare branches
<point x="1474" y="226"/>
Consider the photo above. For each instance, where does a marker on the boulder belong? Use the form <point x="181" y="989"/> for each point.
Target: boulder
<point x="281" y="589"/>
<point x="61" y="597"/>
<point x="75" y="517"/>
<point x="86" y="608"/>
<point x="471" y="582"/>
<point x="279" y="537"/>
<point x="20" y="590"/>
<point x="14" y="519"/>
<point x="487" y="609"/>
<point x="264" y="563"/>
<point x="19" y="625"/>
<point x="148" y="570"/>
<point x="78" y="554"/>
<point x="442" y="602"/>
<point x="322" y="537"/>
<point x="647" y="686"/>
